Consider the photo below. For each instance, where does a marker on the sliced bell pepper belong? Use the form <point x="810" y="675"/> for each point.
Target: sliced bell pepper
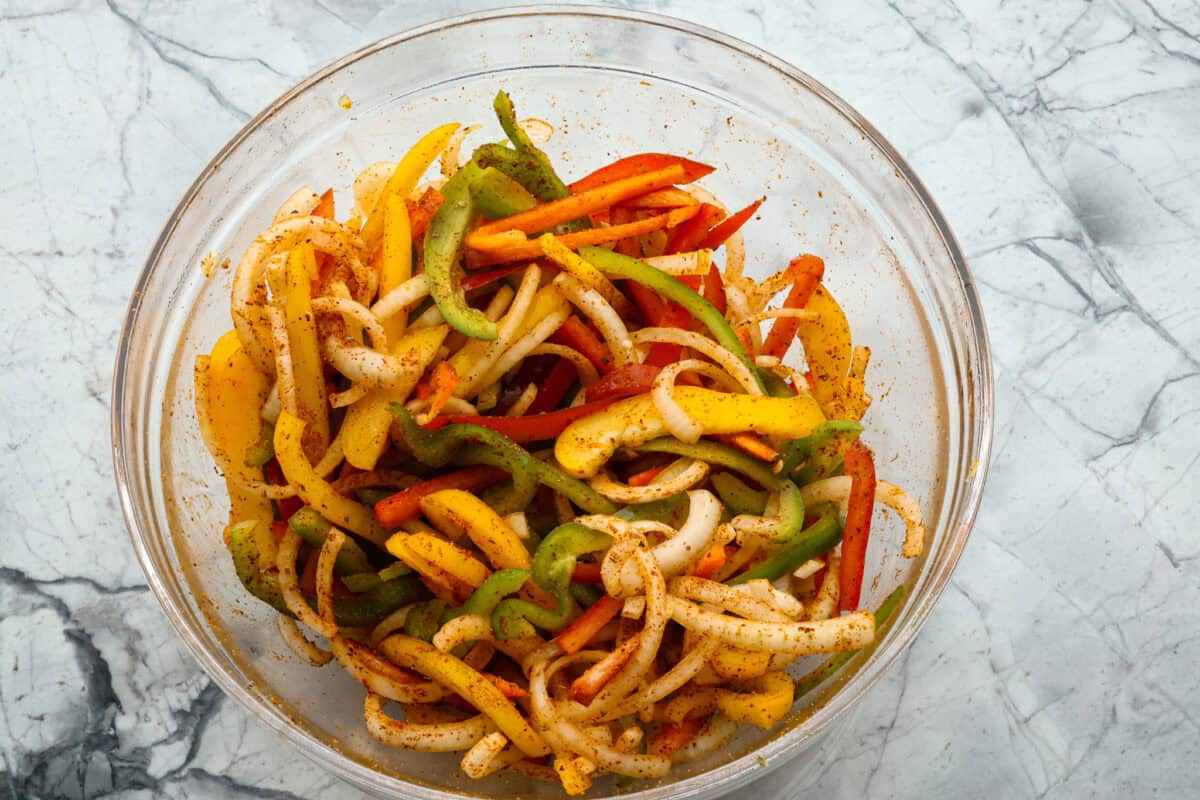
<point x="544" y="181"/>
<point x="421" y="212"/>
<point x="437" y="448"/>
<point x="395" y="258"/>
<point x="476" y="689"/>
<point x="711" y="562"/>
<point x="827" y="349"/>
<point x="737" y="496"/>
<point x="585" y="688"/>
<point x="714" y="453"/>
<point x="404" y="505"/>
<point x="315" y="490"/>
<point x="554" y="388"/>
<point x="714" y="289"/>
<point x="638" y="165"/>
<point x="624" y="381"/>
<point x="589" y="442"/>
<point x="577" y="335"/>
<point x="860" y="466"/>
<point x="443" y="250"/>
<point x="816" y="539"/>
<point x="750" y="444"/>
<point x="834" y="663"/>
<point x="324" y="208"/>
<point x="553" y="564"/>
<point x="456" y="512"/>
<point x="806" y="448"/>
<point x="404" y="178"/>
<point x="424" y="619"/>
<point x="719" y="234"/>
<point x="807" y="271"/>
<point x="689" y="235"/>
<point x="499" y="585"/>
<point x="591" y="277"/>
<point x="361" y="610"/>
<point x="770" y="701"/>
<point x="476" y="280"/>
<point x="617" y="265"/>
<point x="313" y="528"/>
<point x="311" y="403"/>
<point x="788" y="522"/>
<point x="499" y="196"/>
<point x="529" y="428"/>
<point x="673" y="737"/>
<point x="588" y="624"/>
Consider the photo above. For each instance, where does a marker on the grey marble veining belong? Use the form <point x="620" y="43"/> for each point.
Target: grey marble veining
<point x="1062" y="141"/>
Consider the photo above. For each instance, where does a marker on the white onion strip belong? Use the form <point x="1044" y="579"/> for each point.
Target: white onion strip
<point x="693" y="262"/>
<point x="583" y="366"/>
<point x="719" y="730"/>
<point x="325" y="562"/>
<point x="522" y="347"/>
<point x="677" y="554"/>
<point x="289" y="587"/>
<point x="849" y="632"/>
<point x="390" y="624"/>
<point x="662" y="392"/>
<point x="460" y="630"/>
<point x="506" y="332"/>
<point x="402" y="297"/>
<point x="693" y="472"/>
<point x="523" y="401"/>
<point x="357" y="312"/>
<point x="285" y="373"/>
<point x="381" y="676"/>
<point x="299" y="644"/>
<point x="728" y="598"/>
<point x="826" y="602"/>
<point x="669" y="682"/>
<point x="603" y="316"/>
<point x="300" y="204"/>
<point x="837" y="490"/>
<point x="356" y="392"/>
<point x="440" y="737"/>
<point x="705" y="346"/>
<point x="478" y="761"/>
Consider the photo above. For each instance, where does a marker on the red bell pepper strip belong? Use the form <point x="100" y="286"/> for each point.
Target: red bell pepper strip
<point x="690" y="234"/>
<point x="553" y="387"/>
<point x="474" y="280"/>
<point x="717" y="236"/>
<point x="624" y="381"/>
<point x="581" y="631"/>
<point x="574" y="333"/>
<point x="714" y="289"/>
<point x="406" y="504"/>
<point x="673" y="737"/>
<point x="860" y="466"/>
<point x="807" y="271"/>
<point x="644" y="477"/>
<point x="586" y="572"/>
<point x="675" y="316"/>
<point x="639" y="164"/>
<point x="529" y="428"/>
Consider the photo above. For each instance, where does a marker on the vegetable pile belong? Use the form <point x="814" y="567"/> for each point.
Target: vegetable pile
<point x="519" y="452"/>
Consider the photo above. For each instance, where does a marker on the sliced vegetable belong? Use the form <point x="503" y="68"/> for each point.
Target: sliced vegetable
<point x="588" y="624"/>
<point x="529" y="428"/>
<point x="404" y="178"/>
<point x="624" y="381"/>
<point x="836" y="662"/>
<point x="818" y="538"/>
<point x="576" y="334"/>
<point x="737" y="496"/>
<point x="638" y="165"/>
<point x="443" y="251"/>
<point x="498" y="196"/>
<point x="543" y="180"/>
<point x="860" y="466"/>
<point x="312" y="405"/>
<point x="808" y="271"/>
<point x="406" y="504"/>
<point x="456" y="512"/>
<point x="721" y="233"/>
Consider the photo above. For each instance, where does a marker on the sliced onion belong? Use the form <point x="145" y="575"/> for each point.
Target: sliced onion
<point x="587" y="371"/>
<point x="368" y="367"/>
<point x="271" y="407"/>
<point x="523" y="401"/>
<point x="460" y="630"/>
<point x="826" y="602"/>
<point x="523" y="346"/>
<point x="441" y="737"/>
<point x="719" y="730"/>
<point x="729" y="598"/>
<point x="299" y="644"/>
<point x="679" y="553"/>
<point x="356" y="392"/>
<point x="693" y="262"/>
<point x="848" y="632"/>
<point x="781" y="602"/>
<point x="381" y="676"/>
<point x="669" y="682"/>
<point x="479" y="761"/>
<point x="450" y="158"/>
<point x="390" y="624"/>
<point x="368" y="185"/>
<point x="402" y="297"/>
<point x="357" y="312"/>
<point x="285" y="563"/>
<point x="662" y="391"/>
<point x="506" y="333"/>
<point x="602" y="314"/>
<point x="837" y="490"/>
<point x="692" y="472"/>
<point x="300" y="204"/>
<point x="808" y="568"/>
<point x="285" y="374"/>
<point x="325" y="561"/>
<point x="705" y="346"/>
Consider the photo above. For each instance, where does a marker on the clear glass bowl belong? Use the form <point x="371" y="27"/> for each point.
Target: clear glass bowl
<point x="612" y="83"/>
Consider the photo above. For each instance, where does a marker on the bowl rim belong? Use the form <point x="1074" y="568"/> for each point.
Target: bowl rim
<point x="724" y="777"/>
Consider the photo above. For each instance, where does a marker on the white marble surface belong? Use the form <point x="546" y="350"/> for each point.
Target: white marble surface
<point x="1061" y="139"/>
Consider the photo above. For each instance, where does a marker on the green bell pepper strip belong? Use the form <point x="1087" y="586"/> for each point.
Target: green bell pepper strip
<point x="789" y="522"/>
<point x="715" y="453"/>
<point x="800" y="450"/>
<point x="370" y="495"/>
<point x="585" y="593"/>
<point x="655" y="509"/>
<point x="497" y="195"/>
<point x="354" y="612"/>
<point x="616" y="265"/>
<point x="737" y="496"/>
<point x="483" y="600"/>
<point x="443" y="250"/>
<point x="438" y="448"/>
<point x="834" y="663"/>
<point x="424" y="619"/>
<point x="544" y="181"/>
<point x="775" y="385"/>
<point x="553" y="563"/>
<point x="313" y="528"/>
<point x="818" y="538"/>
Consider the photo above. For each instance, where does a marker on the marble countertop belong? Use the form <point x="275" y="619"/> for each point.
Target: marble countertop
<point x="1060" y="138"/>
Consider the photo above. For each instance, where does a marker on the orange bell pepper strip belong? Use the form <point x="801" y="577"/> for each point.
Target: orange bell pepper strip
<point x="688" y="236"/>
<point x="581" y="631"/>
<point x="586" y="572"/>
<point x="578" y="335"/>
<point x="644" y="477"/>
<point x="529" y="428"/>
<point x="507" y="688"/>
<point x="711" y="562"/>
<point x="717" y="235"/>
<point x="807" y="271"/>
<point x="558" y="212"/>
<point x="406" y="504"/>
<point x="639" y="165"/>
<point x="324" y="260"/>
<point x="749" y="444"/>
<point x="672" y="737"/>
<point x="585" y="688"/>
<point x="713" y="289"/>
<point x="421" y="212"/>
<point x="860" y="466"/>
<point x="445" y="381"/>
<point x="504" y="246"/>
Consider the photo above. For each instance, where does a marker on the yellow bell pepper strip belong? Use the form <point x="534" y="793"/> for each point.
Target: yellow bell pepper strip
<point x="365" y="428"/>
<point x="834" y="663"/>
<point x="443" y="252"/>
<point x="405" y="177"/>
<point x="553" y="564"/>
<point x="315" y="490"/>
<point x="672" y="289"/>
<point x="588" y="443"/>
<point x="395" y="263"/>
<point x="437" y="448"/>
<point x="735" y="664"/>
<point x="827" y="350"/>
<point x="312" y="405"/>
<point x="546" y="301"/>
<point x="440" y="582"/>
<point x="816" y="539"/>
<point x="401" y="506"/>
<point x="455" y="513"/>
<point x="591" y="277"/>
<point x="235" y="391"/>
<point x="313" y="528"/>
<point x="432" y="550"/>
<point x="737" y="496"/>
<point x="535" y="171"/>
<point x="774" y="694"/>
<point x="499" y="196"/>
<point x="362" y="610"/>
<point x="471" y="685"/>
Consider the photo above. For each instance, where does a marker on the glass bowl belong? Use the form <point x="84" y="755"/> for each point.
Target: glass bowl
<point x="612" y="83"/>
